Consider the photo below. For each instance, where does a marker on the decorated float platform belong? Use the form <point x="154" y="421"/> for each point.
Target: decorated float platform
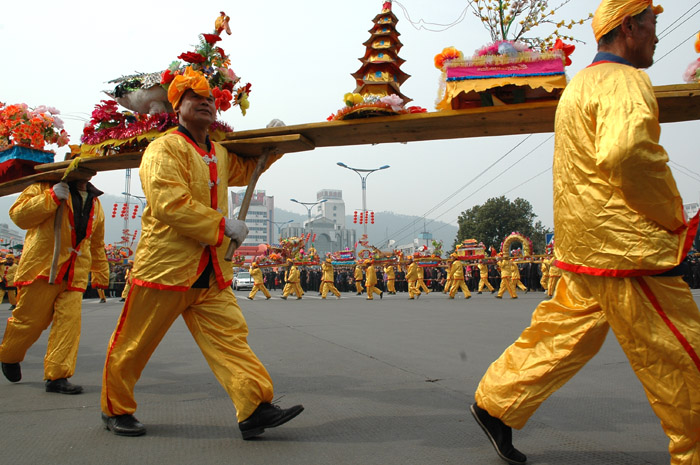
<point x="677" y="103"/>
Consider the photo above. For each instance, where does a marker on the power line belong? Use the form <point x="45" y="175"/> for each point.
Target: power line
<point x="682" y="169"/>
<point x="679" y="25"/>
<point x="525" y="182"/>
<point x="677" y="19"/>
<point x="677" y="46"/>
<point x="414" y="222"/>
<point x="421" y="24"/>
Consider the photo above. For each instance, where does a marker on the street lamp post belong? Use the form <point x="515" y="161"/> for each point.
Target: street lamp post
<point x="141" y="200"/>
<point x="364" y="185"/>
<point x="278" y="224"/>
<point x="309" y="206"/>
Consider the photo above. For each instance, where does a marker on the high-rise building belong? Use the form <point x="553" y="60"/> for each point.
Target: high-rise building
<point x="333" y="208"/>
<point x="260" y="218"/>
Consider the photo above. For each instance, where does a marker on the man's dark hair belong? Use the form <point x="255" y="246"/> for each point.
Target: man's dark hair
<point x="610" y="37"/>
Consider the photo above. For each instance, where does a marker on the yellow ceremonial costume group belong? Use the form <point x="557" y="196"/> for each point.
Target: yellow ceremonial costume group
<point x="258" y="282"/>
<point x="621" y="233"/>
<point x="41" y="303"/>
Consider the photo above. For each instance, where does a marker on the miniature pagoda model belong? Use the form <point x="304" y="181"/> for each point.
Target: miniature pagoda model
<point x="380" y="73"/>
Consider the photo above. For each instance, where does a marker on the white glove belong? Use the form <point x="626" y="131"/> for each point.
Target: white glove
<point x="275" y="123"/>
<point x="236" y="230"/>
<point x="61" y="191"/>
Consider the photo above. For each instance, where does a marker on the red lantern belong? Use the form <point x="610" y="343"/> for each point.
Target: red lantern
<point x="366" y="217"/>
<point x="354" y="219"/>
<point x="372" y="217"/>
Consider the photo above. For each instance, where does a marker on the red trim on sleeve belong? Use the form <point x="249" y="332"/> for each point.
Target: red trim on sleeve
<point x="657" y="306"/>
<point x="222" y="229"/>
<point x="53" y="196"/>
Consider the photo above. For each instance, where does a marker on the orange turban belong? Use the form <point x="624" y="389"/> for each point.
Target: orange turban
<point x="192" y="79"/>
<point x="610" y="13"/>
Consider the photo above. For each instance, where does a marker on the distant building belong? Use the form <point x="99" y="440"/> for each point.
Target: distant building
<point x="10" y="237"/>
<point x="327" y="224"/>
<point x="260" y="218"/>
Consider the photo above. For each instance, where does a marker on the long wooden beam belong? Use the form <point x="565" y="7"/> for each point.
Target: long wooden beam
<point x="676" y="103"/>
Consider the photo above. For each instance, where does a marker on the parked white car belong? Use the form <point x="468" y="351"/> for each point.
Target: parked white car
<point x="242" y="280"/>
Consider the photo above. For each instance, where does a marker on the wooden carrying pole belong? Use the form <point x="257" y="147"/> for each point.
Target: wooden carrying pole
<point x="245" y="204"/>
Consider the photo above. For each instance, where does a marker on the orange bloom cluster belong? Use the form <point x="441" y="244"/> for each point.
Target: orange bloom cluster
<point x="19" y="125"/>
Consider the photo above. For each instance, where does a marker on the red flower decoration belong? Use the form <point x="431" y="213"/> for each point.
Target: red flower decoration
<point x="566" y="48"/>
<point x="192" y="57"/>
<point x="166" y="77"/>
<point x="211" y="38"/>
<point x="223" y="98"/>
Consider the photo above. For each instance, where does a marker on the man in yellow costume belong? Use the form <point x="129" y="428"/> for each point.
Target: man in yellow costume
<point x="42" y="303"/>
<point x="484" y="278"/>
<point x="504" y="265"/>
<point x="358" y="276"/>
<point x="258" y="282"/>
<point x="179" y="269"/>
<point x="621" y="239"/>
<point x="448" y="281"/>
<point x="8" y="280"/>
<point x="515" y="277"/>
<point x="371" y="280"/>
<point x="292" y="281"/>
<point x="390" y="272"/>
<point x="457" y="271"/>
<point x="420" y="283"/>
<point x="412" y="278"/>
<point x="328" y="279"/>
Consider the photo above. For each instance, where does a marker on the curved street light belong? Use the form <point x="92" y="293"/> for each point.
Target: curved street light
<point x="363" y="177"/>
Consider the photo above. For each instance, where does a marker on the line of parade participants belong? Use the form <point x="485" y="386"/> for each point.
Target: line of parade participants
<point x="415" y="276"/>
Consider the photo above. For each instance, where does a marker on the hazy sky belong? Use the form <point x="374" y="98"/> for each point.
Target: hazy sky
<point x="299" y="57"/>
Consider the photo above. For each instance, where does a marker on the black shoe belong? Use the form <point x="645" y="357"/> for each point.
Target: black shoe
<point x="122" y="300"/>
<point x="284" y="297"/>
<point x="12" y="307"/>
<point x="250" y="298"/>
<point x="267" y="416"/>
<point x="124" y="425"/>
<point x="499" y="297"/>
<point x="12" y="372"/>
<point x="103" y="301"/>
<point x="479" y="292"/>
<point x="359" y="293"/>
<point x="381" y="295"/>
<point x="500" y="435"/>
<point x="62" y="386"/>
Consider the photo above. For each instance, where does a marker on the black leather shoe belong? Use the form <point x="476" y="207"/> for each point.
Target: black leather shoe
<point x="267" y="416"/>
<point x="500" y="435"/>
<point x="12" y="372"/>
<point x="124" y="425"/>
<point x="62" y="386"/>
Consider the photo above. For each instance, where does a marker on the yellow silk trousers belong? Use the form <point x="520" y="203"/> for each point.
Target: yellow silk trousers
<point x="329" y="287"/>
<point x="358" y="286"/>
<point x="506" y="285"/>
<point x="448" y="286"/>
<point x="657" y="324"/>
<point x="485" y="282"/>
<point x="218" y="327"/>
<point x="413" y="290"/>
<point x="552" y="284"/>
<point x="519" y="284"/>
<point x="11" y="296"/>
<point x="292" y="287"/>
<point x="259" y="287"/>
<point x="39" y="305"/>
<point x="420" y="285"/>
<point x="458" y="284"/>
<point x="125" y="291"/>
<point x="391" y="285"/>
<point x="371" y="290"/>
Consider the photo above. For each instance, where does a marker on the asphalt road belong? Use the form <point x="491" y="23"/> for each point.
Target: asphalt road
<point x="383" y="382"/>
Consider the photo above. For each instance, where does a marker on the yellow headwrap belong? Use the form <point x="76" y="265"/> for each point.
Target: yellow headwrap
<point x="192" y="79"/>
<point x="610" y="13"/>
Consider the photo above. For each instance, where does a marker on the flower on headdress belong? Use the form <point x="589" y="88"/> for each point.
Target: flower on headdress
<point x="566" y="48"/>
<point x="192" y="57"/>
<point x="167" y="77"/>
<point x="222" y="98"/>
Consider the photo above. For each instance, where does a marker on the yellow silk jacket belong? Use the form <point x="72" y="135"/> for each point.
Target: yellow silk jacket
<point x="293" y="275"/>
<point x="390" y="273"/>
<point x="35" y="210"/>
<point x="182" y="225"/>
<point x="9" y="272"/>
<point x="457" y="270"/>
<point x="483" y="271"/>
<point x="256" y="274"/>
<point x="358" y="273"/>
<point x="412" y="272"/>
<point x="617" y="211"/>
<point x="370" y="276"/>
<point x="327" y="272"/>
